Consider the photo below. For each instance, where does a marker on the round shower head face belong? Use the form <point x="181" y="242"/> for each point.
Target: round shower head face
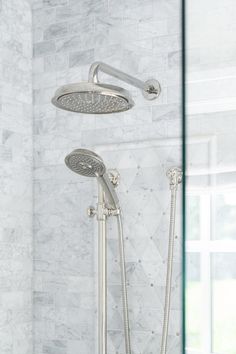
<point x="92" y="98"/>
<point x="85" y="163"/>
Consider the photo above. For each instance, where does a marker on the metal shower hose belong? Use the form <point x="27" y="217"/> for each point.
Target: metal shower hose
<point x="124" y="285"/>
<point x="175" y="176"/>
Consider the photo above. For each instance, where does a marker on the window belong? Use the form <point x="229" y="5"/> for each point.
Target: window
<point x="211" y="271"/>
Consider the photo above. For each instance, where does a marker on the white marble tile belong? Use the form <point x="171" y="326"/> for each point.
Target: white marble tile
<point x="139" y="40"/>
<point x="56" y="30"/>
<point x="16" y="178"/>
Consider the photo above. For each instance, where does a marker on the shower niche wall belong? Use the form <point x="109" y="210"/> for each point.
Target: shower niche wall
<point x="143" y="40"/>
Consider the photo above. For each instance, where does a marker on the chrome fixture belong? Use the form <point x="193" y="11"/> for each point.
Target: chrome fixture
<point x="175" y="178"/>
<point x="85" y="163"/>
<point x="97" y="98"/>
<point x="89" y="164"/>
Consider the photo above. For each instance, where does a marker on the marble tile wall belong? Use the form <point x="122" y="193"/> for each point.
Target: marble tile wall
<point x="143" y="39"/>
<point x="16" y="177"/>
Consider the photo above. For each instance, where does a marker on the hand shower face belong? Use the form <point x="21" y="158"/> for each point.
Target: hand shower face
<point x="95" y="98"/>
<point x="87" y="163"/>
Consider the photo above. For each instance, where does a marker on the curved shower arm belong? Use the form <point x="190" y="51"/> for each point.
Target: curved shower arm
<point x="109" y="70"/>
<point x="150" y="88"/>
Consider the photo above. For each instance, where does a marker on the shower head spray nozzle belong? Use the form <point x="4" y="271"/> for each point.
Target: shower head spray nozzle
<point x="85" y="163"/>
<point x="88" y="97"/>
<point x="96" y="98"/>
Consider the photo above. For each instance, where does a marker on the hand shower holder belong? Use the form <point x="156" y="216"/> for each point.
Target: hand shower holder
<point x="151" y="88"/>
<point x="102" y="209"/>
<point x="175" y="176"/>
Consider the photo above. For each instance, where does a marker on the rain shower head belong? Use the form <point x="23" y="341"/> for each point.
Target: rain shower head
<point x="96" y="98"/>
<point x="85" y="163"/>
<point x="93" y="98"/>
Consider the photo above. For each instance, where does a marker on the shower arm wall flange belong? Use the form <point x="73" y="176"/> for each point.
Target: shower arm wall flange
<point x="151" y="88"/>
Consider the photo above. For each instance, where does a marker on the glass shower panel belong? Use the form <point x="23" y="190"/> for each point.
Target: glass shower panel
<point x="194" y="299"/>
<point x="223" y="302"/>
<point x="210" y="176"/>
<point x="224" y="214"/>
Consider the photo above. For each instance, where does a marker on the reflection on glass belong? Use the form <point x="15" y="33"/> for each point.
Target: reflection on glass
<point x="224" y="303"/>
<point x="225" y="216"/>
<point x="210" y="104"/>
<point x="193" y="217"/>
<point x="194" y="299"/>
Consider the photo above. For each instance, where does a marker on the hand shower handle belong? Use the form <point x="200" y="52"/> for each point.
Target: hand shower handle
<point x="150" y="88"/>
<point x="109" y="190"/>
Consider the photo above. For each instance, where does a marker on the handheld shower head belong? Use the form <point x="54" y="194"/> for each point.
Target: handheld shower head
<point x="87" y="163"/>
<point x="95" y="98"/>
